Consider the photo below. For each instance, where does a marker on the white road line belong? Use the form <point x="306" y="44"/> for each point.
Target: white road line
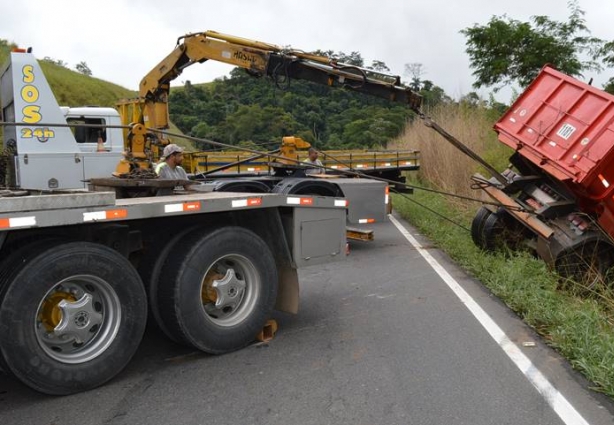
<point x="562" y="407"/>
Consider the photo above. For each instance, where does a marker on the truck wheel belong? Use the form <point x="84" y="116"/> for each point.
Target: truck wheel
<point x="72" y="316"/>
<point x="586" y="265"/>
<point x="477" y="227"/>
<point x="497" y="231"/>
<point x="13" y="257"/>
<point x="153" y="275"/>
<point x="218" y="291"/>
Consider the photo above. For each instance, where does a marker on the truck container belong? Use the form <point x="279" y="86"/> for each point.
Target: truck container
<point x="559" y="194"/>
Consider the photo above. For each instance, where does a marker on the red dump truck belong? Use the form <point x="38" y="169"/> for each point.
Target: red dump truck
<point x="559" y="192"/>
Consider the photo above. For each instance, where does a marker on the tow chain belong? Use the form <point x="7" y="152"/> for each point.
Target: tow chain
<point x="428" y="121"/>
<point x="353" y="173"/>
<point x="150" y="174"/>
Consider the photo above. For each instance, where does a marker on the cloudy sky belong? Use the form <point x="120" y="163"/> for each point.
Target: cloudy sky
<point x="121" y="40"/>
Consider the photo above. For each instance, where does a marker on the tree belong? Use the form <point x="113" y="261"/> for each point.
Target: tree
<point x="354" y="58"/>
<point x="434" y="95"/>
<point x="414" y="71"/>
<point x="506" y="50"/>
<point x="58" y="62"/>
<point x="607" y="52"/>
<point x="82" y="68"/>
<point x="472" y="100"/>
<point x="379" y="66"/>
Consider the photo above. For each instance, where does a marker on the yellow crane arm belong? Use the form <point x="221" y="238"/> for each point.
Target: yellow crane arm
<point x="259" y="59"/>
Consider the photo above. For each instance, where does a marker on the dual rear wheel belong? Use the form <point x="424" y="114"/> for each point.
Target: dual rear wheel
<point x="492" y="231"/>
<point x="72" y="314"/>
<point x="214" y="289"/>
<point x="586" y="264"/>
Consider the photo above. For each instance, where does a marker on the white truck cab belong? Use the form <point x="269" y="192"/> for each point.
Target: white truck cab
<point x="49" y="157"/>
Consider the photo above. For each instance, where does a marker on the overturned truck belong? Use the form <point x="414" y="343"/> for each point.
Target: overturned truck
<point x="558" y="194"/>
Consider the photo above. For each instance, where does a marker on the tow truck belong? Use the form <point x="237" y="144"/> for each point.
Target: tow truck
<point x="80" y="268"/>
<point x="255" y="171"/>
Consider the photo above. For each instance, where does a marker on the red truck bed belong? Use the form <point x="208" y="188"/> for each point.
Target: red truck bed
<point x="566" y="127"/>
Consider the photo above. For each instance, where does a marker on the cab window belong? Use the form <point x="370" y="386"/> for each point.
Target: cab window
<point x="84" y="134"/>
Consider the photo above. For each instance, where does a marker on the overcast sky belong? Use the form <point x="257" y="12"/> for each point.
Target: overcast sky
<point x="122" y="40"/>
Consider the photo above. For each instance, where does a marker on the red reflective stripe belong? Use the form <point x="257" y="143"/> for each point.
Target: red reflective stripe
<point x="191" y="206"/>
<point x="252" y="202"/>
<point x="4" y="223"/>
<point x="306" y="201"/>
<point x="116" y="214"/>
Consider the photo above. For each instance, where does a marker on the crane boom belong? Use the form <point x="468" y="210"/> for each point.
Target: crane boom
<point x="150" y="110"/>
<point x="261" y="59"/>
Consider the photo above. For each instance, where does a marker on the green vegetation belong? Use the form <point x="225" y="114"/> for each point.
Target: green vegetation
<point x="578" y="325"/>
<point x="579" y="328"/>
<point x="506" y="50"/>
<point x="73" y="88"/>
<point x="246" y="109"/>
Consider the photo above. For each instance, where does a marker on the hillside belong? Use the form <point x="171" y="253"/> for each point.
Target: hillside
<point x="72" y="88"/>
<point x="243" y="110"/>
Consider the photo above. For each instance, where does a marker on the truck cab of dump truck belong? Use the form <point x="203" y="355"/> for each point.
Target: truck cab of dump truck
<point x="46" y="152"/>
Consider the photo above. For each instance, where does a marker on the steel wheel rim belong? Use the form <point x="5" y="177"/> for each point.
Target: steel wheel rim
<point x="230" y="289"/>
<point x="78" y="319"/>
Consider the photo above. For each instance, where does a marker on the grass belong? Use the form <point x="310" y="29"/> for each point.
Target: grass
<point x="579" y="328"/>
<point x="71" y="88"/>
<point x="577" y="325"/>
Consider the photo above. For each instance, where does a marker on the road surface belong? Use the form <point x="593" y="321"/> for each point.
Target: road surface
<point x="385" y="337"/>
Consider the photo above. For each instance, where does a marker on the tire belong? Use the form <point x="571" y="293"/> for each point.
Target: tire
<point x="152" y="274"/>
<point x="497" y="231"/>
<point x="81" y="310"/>
<point x="587" y="265"/>
<point x="13" y="258"/>
<point x="218" y="289"/>
<point x="477" y="227"/>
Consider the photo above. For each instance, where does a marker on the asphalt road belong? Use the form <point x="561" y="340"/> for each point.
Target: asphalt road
<point x="380" y="339"/>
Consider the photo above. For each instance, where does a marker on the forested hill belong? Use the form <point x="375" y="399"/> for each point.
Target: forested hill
<point x="245" y="110"/>
<point x="254" y="112"/>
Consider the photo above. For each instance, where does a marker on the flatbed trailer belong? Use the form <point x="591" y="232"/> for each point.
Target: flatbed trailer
<point x="79" y="272"/>
<point x="388" y="164"/>
<point x="86" y="258"/>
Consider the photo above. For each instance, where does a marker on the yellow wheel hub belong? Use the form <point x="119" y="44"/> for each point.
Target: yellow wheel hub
<point x="208" y="292"/>
<point x="50" y="314"/>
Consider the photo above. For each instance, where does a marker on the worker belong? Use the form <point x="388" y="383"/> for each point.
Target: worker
<point x="318" y="167"/>
<point x="170" y="168"/>
<point x="170" y="164"/>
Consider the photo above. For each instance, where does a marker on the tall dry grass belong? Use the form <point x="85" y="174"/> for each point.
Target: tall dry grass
<point x="442" y="165"/>
<point x="575" y="320"/>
